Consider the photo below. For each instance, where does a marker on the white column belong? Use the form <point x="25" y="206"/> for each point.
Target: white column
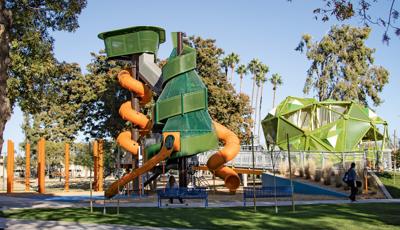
<point x="244" y="176"/>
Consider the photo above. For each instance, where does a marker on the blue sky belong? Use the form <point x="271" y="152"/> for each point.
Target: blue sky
<point x="268" y="30"/>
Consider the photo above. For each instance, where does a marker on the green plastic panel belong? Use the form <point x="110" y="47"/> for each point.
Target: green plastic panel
<point x="132" y="40"/>
<point x="285" y="127"/>
<point x="358" y="112"/>
<point x="191" y="145"/>
<point x="180" y="104"/>
<point x="190" y="123"/>
<point x="179" y="64"/>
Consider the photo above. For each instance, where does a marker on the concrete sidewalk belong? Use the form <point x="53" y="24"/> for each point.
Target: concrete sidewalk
<point x="7" y="202"/>
<point x="63" y="225"/>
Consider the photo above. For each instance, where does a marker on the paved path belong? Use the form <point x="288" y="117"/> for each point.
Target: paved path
<point x="7" y="202"/>
<point x="62" y="225"/>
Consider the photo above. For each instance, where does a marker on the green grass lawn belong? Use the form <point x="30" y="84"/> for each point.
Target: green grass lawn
<point x="391" y="183"/>
<point x="346" y="216"/>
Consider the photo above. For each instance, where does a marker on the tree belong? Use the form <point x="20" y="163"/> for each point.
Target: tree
<point x="347" y="9"/>
<point x="225" y="64"/>
<point x="253" y="68"/>
<point x="24" y="29"/>
<point x="233" y="60"/>
<point x="342" y="66"/>
<point x="224" y="104"/>
<point x="241" y="70"/>
<point x="260" y="80"/>
<point x="276" y="80"/>
<point x="102" y="119"/>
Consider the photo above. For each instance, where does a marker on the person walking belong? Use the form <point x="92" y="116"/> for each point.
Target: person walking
<point x="352" y="182"/>
<point x="173" y="186"/>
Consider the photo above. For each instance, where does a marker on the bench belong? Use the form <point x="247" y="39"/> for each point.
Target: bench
<point x="265" y="192"/>
<point x="182" y="193"/>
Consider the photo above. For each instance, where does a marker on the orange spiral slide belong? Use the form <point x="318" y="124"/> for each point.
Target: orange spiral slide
<point x="129" y="114"/>
<point x="216" y="162"/>
<point x="140" y="120"/>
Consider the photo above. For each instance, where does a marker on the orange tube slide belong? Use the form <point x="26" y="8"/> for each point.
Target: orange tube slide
<point x="147" y="166"/>
<point x="216" y="162"/>
<point x="126" y="81"/>
<point x="129" y="114"/>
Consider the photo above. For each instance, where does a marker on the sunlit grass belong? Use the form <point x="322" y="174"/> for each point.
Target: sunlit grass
<point x="345" y="216"/>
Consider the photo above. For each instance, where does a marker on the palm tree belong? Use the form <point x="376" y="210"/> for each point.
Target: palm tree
<point x="264" y="69"/>
<point x="233" y="60"/>
<point x="276" y="80"/>
<point x="241" y="70"/>
<point x="253" y="68"/>
<point x="225" y="65"/>
<point x="260" y="80"/>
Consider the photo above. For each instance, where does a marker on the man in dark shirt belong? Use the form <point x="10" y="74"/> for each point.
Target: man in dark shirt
<point x="352" y="178"/>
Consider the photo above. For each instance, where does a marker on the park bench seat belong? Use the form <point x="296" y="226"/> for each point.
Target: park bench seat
<point x="265" y="192"/>
<point x="183" y="193"/>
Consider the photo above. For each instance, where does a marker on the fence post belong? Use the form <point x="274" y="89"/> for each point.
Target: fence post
<point x="95" y="165"/>
<point x="100" y="166"/>
<point x="27" y="166"/>
<point x="66" y="167"/>
<point x="41" y="165"/>
<point x="10" y="166"/>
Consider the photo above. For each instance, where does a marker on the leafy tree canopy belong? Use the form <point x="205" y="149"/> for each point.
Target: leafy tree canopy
<point x="342" y="66"/>
<point x="363" y="9"/>
<point x="26" y="50"/>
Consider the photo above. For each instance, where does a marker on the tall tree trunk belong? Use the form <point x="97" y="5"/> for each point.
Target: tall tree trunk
<point x="240" y="86"/>
<point x="232" y="72"/>
<point x="273" y="98"/>
<point x="252" y="93"/>
<point x="5" y="108"/>
<point x="259" y="113"/>
<point x="255" y="113"/>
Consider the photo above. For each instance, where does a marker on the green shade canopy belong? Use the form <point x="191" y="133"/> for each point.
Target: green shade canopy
<point x="125" y="42"/>
<point x="323" y="126"/>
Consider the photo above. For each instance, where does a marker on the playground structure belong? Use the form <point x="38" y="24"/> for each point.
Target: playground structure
<point x="331" y="126"/>
<point x="180" y="113"/>
<point x="180" y="125"/>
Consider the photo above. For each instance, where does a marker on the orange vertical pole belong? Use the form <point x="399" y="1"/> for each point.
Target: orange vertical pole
<point x="66" y="169"/>
<point x="100" y="166"/>
<point x="27" y="166"/>
<point x="41" y="164"/>
<point x="95" y="165"/>
<point x="10" y="166"/>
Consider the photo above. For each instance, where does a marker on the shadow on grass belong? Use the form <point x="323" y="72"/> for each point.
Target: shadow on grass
<point x="393" y="190"/>
<point x="347" y="216"/>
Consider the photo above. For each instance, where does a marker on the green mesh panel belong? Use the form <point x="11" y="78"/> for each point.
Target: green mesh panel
<point x="287" y="128"/>
<point x="184" y="83"/>
<point x="358" y="112"/>
<point x="190" y="123"/>
<point x="355" y="130"/>
<point x="326" y="126"/>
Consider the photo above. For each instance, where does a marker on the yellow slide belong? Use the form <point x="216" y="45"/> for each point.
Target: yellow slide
<point x="216" y="162"/>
